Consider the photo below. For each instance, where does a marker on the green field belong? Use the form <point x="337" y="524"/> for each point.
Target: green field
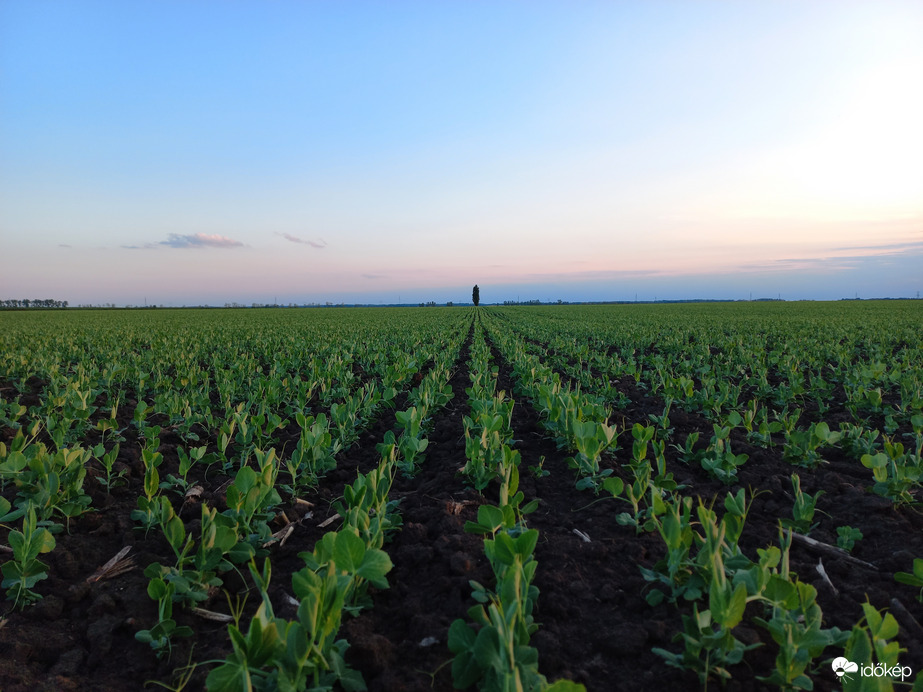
<point x="743" y="477"/>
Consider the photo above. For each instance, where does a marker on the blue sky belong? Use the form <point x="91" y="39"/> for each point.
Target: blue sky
<point x="206" y="152"/>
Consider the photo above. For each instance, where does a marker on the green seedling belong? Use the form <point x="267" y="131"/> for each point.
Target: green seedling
<point x="803" y="509"/>
<point x="483" y="449"/>
<point x="345" y="417"/>
<point x="898" y="475"/>
<point x="359" y="564"/>
<point x="141" y="412"/>
<point x="801" y="446"/>
<point x="872" y="642"/>
<point x="677" y="570"/>
<point x="508" y="475"/>
<point x="494" y="651"/>
<point x="108" y="426"/>
<point x="195" y="576"/>
<point x="314" y="455"/>
<point x="789" y="420"/>
<point x="149" y="505"/>
<point x="160" y="636"/>
<point x="411" y="443"/>
<point x="291" y="655"/>
<point x="149" y="512"/>
<point x="251" y="497"/>
<point x="539" y="471"/>
<point x="10" y="413"/>
<point x="590" y="440"/>
<point x="411" y="453"/>
<point x="762" y="434"/>
<point x="847" y="537"/>
<point x="710" y="648"/>
<point x="25" y="570"/>
<point x="107" y="459"/>
<point x="662" y="422"/>
<point x="688" y="452"/>
<point x="718" y="460"/>
<point x="709" y="644"/>
<point x="646" y="498"/>
<point x="694" y="558"/>
<point x="641" y="436"/>
<point x="797" y="628"/>
<point x="681" y="387"/>
<point x="179" y="484"/>
<point x="13" y="459"/>
<point x="52" y="483"/>
<point x="859" y="440"/>
<point x="749" y="416"/>
<point x="662" y="481"/>
<point x="491" y="519"/>
<point x="916" y="422"/>
<point x="150" y="435"/>
<point x="366" y="508"/>
<point x="913" y="579"/>
<point x="225" y="437"/>
<point x="431" y="393"/>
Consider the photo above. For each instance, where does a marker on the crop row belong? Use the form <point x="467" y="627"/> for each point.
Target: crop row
<point x="44" y="474"/>
<point x="773" y="418"/>
<point x="703" y="562"/>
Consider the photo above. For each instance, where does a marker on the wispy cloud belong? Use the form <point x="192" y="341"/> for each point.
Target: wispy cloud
<point x="191" y="240"/>
<point x="845" y="259"/>
<point x="885" y="249"/>
<point x="320" y="243"/>
<point x="372" y="276"/>
<point x="592" y="275"/>
<point x="65" y="245"/>
<point x="819" y="264"/>
<point x="196" y="240"/>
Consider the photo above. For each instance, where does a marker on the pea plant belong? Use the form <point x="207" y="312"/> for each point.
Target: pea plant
<point x="493" y="650"/>
<point x="898" y="474"/>
<point x="801" y="446"/>
<point x="803" y="508"/>
<point x="718" y="460"/>
<point x="873" y="641"/>
<point x="149" y="504"/>
<point x="796" y="626"/>
<point x="25" y="570"/>
<point x="591" y="439"/>
<point x="160" y="636"/>
<point x="251" y="497"/>
<point x="412" y="442"/>
<point x="295" y="654"/>
<point x="314" y="455"/>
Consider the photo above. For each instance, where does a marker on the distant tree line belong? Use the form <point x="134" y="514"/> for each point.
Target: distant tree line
<point x="34" y="303"/>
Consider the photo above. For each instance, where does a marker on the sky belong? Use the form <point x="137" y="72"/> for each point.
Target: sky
<point x="184" y="153"/>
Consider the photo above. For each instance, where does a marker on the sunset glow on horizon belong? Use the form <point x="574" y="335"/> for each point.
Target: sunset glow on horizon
<point x="205" y="153"/>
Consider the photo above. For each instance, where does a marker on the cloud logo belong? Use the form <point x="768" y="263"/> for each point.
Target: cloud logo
<point x="841" y="666"/>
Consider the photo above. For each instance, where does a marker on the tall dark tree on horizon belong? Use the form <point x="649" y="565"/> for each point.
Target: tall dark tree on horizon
<point x="476" y="295"/>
